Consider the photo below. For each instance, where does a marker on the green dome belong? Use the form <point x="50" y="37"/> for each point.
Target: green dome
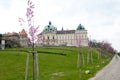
<point x="50" y="27"/>
<point x="80" y="27"/>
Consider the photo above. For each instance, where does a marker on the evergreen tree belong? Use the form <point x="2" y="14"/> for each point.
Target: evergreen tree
<point x="0" y="38"/>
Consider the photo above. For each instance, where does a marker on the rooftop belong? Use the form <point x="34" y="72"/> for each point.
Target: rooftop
<point x="80" y="27"/>
<point x="23" y="33"/>
<point x="50" y="27"/>
<point x="66" y="32"/>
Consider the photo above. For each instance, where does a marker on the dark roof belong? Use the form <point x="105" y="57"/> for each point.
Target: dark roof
<point x="66" y="32"/>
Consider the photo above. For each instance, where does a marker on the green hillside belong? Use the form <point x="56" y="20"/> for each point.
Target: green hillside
<point x="55" y="63"/>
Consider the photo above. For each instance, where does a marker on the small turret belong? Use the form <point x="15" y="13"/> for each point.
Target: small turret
<point x="80" y="27"/>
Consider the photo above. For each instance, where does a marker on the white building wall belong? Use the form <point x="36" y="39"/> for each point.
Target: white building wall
<point x="66" y="39"/>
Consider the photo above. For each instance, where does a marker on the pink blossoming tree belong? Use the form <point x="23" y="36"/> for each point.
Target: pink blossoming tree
<point x="32" y="35"/>
<point x="32" y="32"/>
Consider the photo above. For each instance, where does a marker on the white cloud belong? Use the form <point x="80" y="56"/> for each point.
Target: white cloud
<point x="9" y="16"/>
<point x="100" y="17"/>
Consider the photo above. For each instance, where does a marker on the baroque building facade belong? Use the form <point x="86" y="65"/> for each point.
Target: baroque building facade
<point x="50" y="36"/>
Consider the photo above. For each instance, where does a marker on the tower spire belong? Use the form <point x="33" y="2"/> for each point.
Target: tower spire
<point x="62" y="29"/>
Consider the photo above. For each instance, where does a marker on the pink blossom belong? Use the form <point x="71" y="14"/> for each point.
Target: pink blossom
<point x="32" y="32"/>
<point x="21" y="21"/>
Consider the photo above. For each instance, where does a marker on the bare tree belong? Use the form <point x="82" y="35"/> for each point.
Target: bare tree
<point x="90" y="55"/>
<point x="80" y="60"/>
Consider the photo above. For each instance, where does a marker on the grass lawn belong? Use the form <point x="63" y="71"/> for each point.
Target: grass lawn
<point x="55" y="63"/>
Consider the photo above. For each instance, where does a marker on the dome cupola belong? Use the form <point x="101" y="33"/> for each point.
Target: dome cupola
<point x="50" y="27"/>
<point x="80" y="27"/>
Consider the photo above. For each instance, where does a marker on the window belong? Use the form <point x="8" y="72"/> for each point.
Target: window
<point x="53" y="37"/>
<point x="48" y="37"/>
<point x="48" y="26"/>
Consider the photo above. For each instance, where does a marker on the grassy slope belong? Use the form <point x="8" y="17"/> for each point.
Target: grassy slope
<point x="62" y="61"/>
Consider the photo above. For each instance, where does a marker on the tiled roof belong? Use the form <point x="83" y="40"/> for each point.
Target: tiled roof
<point x="23" y="32"/>
<point x="66" y="32"/>
<point x="10" y="34"/>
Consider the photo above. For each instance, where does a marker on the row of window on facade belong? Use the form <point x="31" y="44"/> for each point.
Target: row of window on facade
<point x="65" y="37"/>
<point x="70" y="43"/>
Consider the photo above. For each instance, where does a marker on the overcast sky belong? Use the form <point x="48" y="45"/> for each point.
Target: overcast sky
<point x="100" y="17"/>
